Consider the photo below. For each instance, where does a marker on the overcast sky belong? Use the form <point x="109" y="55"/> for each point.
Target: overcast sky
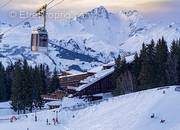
<point x="148" y="7"/>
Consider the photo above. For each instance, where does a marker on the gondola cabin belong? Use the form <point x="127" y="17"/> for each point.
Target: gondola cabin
<point x="39" y="40"/>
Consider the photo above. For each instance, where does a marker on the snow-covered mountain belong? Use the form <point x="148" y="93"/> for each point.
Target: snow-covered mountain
<point x="86" y="41"/>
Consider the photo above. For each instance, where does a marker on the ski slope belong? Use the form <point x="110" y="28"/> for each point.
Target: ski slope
<point x="128" y="112"/>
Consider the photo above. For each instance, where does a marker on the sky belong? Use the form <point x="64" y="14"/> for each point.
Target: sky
<point x="144" y="5"/>
<point x="160" y="8"/>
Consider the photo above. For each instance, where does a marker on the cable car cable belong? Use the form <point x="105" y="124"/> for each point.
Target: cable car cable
<point x="56" y="4"/>
<point x="5" y="4"/>
<point x="50" y="2"/>
<point x="16" y="25"/>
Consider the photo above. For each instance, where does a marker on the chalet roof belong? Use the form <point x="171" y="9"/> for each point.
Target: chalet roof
<point x="65" y="76"/>
<point x="50" y="99"/>
<point x="73" y="72"/>
<point x="54" y="96"/>
<point x="96" y="69"/>
<point x="54" y="103"/>
<point x="112" y="63"/>
<point x="93" y="79"/>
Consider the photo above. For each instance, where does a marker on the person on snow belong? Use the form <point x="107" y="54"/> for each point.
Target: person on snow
<point x="162" y="121"/>
<point x="164" y="92"/>
<point x="47" y="121"/>
<point x="54" y="121"/>
<point x="153" y="115"/>
<point x="57" y="121"/>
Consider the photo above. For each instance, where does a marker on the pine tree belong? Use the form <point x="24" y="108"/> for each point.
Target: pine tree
<point x="136" y="68"/>
<point x="3" y="89"/>
<point x="147" y="72"/>
<point x="44" y="80"/>
<point x="21" y="87"/>
<point x="26" y="86"/>
<point x="37" y="87"/>
<point x="120" y="68"/>
<point x="9" y="76"/>
<point x="16" y="96"/>
<point x="161" y="62"/>
<point x="54" y="82"/>
<point x="178" y="59"/>
<point x="173" y="63"/>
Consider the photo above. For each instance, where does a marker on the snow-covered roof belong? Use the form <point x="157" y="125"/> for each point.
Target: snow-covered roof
<point x="71" y="88"/>
<point x="65" y="76"/>
<point x="96" y="69"/>
<point x="92" y="79"/>
<point x="54" y="103"/>
<point x="129" y="59"/>
<point x="112" y="63"/>
<point x="50" y="99"/>
<point x="74" y="72"/>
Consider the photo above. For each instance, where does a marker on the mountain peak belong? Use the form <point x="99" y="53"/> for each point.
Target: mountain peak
<point x="100" y="9"/>
<point x="99" y="12"/>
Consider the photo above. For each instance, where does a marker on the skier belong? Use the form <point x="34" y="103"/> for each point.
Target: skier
<point x="153" y="115"/>
<point x="162" y="121"/>
<point x="47" y="121"/>
<point x="164" y="92"/>
<point x="57" y="121"/>
<point x="35" y="118"/>
<point x="54" y="121"/>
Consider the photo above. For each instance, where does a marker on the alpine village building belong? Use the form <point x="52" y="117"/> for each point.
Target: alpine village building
<point x="89" y="83"/>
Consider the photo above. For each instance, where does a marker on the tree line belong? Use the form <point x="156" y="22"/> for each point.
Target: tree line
<point x="153" y="67"/>
<point x="24" y="85"/>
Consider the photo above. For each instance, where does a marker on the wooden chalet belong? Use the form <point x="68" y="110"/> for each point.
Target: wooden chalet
<point x="54" y="104"/>
<point x="101" y="82"/>
<point x="73" y="80"/>
<point x="57" y="95"/>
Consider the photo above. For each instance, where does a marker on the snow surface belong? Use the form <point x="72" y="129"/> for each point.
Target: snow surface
<point x="128" y="112"/>
<point x="5" y="109"/>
